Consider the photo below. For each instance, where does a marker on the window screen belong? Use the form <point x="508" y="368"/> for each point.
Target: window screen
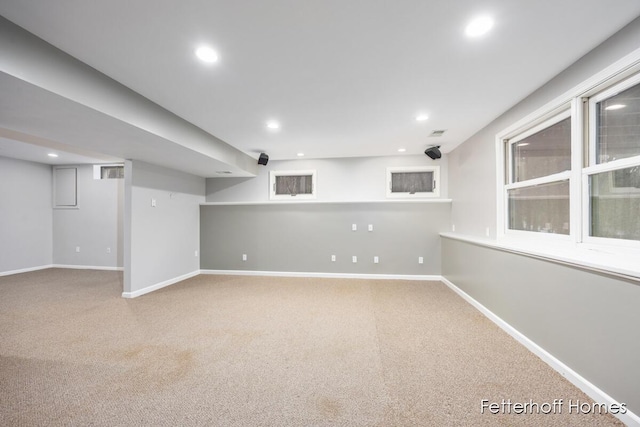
<point x="615" y="204"/>
<point x="412" y="182"/>
<point x="543" y="153"/>
<point x="618" y="126"/>
<point x="294" y="184"/>
<point x="111" y="172"/>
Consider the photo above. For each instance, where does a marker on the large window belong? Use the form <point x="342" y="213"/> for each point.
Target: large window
<point x="576" y="171"/>
<point x="539" y="170"/>
<point x="612" y="175"/>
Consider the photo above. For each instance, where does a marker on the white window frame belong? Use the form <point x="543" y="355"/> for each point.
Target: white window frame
<point x="290" y="197"/>
<point x="55" y="187"/>
<point x="581" y="100"/>
<point x="594" y="168"/>
<point x="409" y="169"/>
<point x="508" y="143"/>
<point x="97" y="169"/>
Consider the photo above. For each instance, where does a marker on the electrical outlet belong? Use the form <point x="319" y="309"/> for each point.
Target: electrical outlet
<point x="333" y="258"/>
<point x="153" y="203"/>
<point x="77" y="248"/>
<point x="370" y="227"/>
<point x="196" y="254"/>
<point x="108" y="250"/>
<point x="376" y="260"/>
<point x="354" y="259"/>
<point x="244" y="257"/>
<point x="354" y="227"/>
<point x="453" y="227"/>
<point x="487" y="232"/>
<point x="420" y="260"/>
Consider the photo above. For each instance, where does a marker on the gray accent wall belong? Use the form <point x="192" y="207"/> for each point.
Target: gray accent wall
<point x="587" y="320"/>
<point x="95" y="225"/>
<point x="301" y="237"/>
<point x="160" y="241"/>
<point x="25" y="215"/>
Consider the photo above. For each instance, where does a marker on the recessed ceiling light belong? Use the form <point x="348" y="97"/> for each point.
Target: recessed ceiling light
<point x="615" y="107"/>
<point x="300" y="154"/>
<point x="206" y="54"/>
<point x="422" y="117"/>
<point x="479" y="26"/>
<point x="401" y="150"/>
<point x="273" y="125"/>
<point x="52" y="155"/>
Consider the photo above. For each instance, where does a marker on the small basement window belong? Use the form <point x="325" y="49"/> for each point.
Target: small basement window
<point x="410" y="182"/>
<point x="108" y="171"/>
<point x="287" y="185"/>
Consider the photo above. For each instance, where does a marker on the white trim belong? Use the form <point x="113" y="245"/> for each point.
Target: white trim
<point x="160" y="285"/>
<point x="596" y="99"/>
<point x="435" y="170"/>
<point x="97" y="169"/>
<point x="547" y="179"/>
<point x="323" y="275"/>
<point x="25" y="270"/>
<point x="87" y="267"/>
<point x="575" y="182"/>
<point x="575" y="378"/>
<point x="276" y="173"/>
<point x="539" y="127"/>
<point x="339" y="202"/>
<point x="625" y="163"/>
<point x="501" y="194"/>
<point x="55" y="186"/>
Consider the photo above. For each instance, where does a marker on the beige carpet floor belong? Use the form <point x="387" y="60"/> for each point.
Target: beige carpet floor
<point x="255" y="351"/>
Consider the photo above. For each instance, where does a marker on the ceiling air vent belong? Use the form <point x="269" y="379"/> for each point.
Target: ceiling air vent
<point x="437" y="133"/>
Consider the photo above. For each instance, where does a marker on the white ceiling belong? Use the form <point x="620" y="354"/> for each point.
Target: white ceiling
<point x="344" y="78"/>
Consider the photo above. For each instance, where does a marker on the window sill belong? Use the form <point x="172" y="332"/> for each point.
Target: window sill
<point x="618" y="262"/>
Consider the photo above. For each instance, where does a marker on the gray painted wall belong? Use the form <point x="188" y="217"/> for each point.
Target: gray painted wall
<point x="160" y="241"/>
<point x="301" y="237"/>
<point x="588" y="321"/>
<point x="347" y="179"/>
<point x="472" y="166"/>
<point x="25" y="214"/>
<point x="94" y="226"/>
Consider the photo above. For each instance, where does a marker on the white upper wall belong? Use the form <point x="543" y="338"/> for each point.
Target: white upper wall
<point x="340" y="179"/>
<point x="161" y="240"/>
<point x="95" y="226"/>
<point x="25" y="215"/>
<point x="472" y="166"/>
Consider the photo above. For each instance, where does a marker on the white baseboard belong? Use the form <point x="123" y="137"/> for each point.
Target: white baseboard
<point x="88" y="267"/>
<point x="160" y="285"/>
<point x="436" y="278"/>
<point x="599" y="396"/>
<point x="25" y="270"/>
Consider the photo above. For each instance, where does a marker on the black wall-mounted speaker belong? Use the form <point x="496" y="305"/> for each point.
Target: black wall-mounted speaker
<point x="263" y="159"/>
<point x="433" y="152"/>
